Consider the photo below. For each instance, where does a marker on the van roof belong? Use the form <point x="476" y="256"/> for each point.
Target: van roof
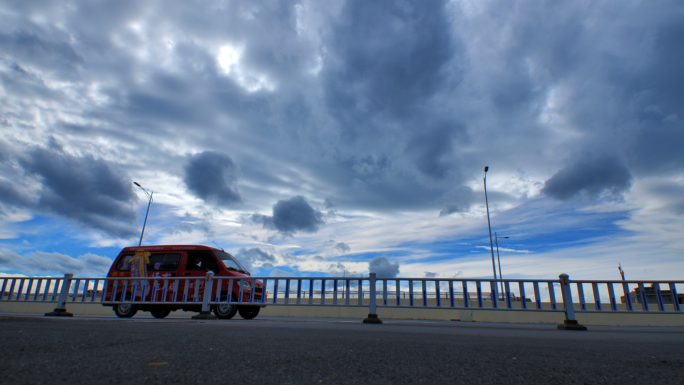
<point x="167" y="248"/>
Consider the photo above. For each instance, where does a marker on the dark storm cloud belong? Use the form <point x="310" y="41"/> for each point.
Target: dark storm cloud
<point x="343" y="247"/>
<point x="432" y="147"/>
<point x="11" y="195"/>
<point x="589" y="178"/>
<point x="54" y="55"/>
<point x="410" y="96"/>
<point x="453" y="208"/>
<point x="291" y="216"/>
<point x="457" y="200"/>
<point x="89" y="190"/>
<point x="250" y="258"/>
<point x="383" y="267"/>
<point x="212" y="176"/>
<point x="385" y="57"/>
<point x="295" y="214"/>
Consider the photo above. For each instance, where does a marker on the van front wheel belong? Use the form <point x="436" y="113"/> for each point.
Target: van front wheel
<point x="125" y="310"/>
<point x="249" y="312"/>
<point x="225" y="311"/>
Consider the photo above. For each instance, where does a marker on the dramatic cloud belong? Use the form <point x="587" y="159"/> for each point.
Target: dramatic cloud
<point x="291" y="216"/>
<point x="589" y="178"/>
<point x="212" y="176"/>
<point x="255" y="257"/>
<point x="383" y="267"/>
<point x="343" y="247"/>
<point x="89" y="190"/>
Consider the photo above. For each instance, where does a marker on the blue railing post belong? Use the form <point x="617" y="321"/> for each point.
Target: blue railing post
<point x="372" y="315"/>
<point x="570" y="322"/>
<point x="60" y="310"/>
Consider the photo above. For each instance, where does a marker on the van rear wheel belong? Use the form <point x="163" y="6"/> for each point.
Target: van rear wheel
<point x="160" y="313"/>
<point x="249" y="312"/>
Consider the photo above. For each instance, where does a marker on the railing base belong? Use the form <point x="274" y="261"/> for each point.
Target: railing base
<point x="372" y="319"/>
<point x="571" y="325"/>
<point x="204" y="315"/>
<point x="59" y="313"/>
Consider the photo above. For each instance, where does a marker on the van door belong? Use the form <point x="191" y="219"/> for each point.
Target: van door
<point x="197" y="264"/>
<point x="164" y="265"/>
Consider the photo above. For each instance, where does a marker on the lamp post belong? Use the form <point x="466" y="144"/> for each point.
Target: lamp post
<point x="149" y="203"/>
<point x="491" y="245"/>
<point x="499" y="259"/>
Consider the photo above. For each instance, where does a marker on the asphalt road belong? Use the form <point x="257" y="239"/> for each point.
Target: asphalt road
<point x="143" y="350"/>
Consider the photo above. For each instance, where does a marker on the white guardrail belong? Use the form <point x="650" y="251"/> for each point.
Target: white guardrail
<point x="454" y="293"/>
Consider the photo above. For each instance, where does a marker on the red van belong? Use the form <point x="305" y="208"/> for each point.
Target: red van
<point x="181" y="261"/>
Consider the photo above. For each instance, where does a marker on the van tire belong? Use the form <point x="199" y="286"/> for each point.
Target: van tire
<point x="125" y="310"/>
<point x="160" y="313"/>
<point x="225" y="311"/>
<point x="249" y="312"/>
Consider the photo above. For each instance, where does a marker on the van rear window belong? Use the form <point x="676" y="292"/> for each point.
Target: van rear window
<point x="124" y="263"/>
<point x="158" y="262"/>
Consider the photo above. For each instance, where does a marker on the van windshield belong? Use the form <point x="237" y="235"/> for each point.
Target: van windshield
<point x="230" y="261"/>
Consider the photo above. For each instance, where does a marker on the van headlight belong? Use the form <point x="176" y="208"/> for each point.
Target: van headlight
<point x="246" y="285"/>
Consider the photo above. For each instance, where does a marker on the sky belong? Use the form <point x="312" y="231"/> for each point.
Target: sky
<point x="336" y="138"/>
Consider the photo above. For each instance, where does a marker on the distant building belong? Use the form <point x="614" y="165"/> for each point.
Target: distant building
<point x="651" y="297"/>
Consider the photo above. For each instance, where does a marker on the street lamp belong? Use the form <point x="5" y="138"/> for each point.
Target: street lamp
<point x="498" y="259"/>
<point x="491" y="245"/>
<point x="149" y="197"/>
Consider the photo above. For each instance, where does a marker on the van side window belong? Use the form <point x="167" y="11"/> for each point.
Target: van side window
<point x="124" y="263"/>
<point x="164" y="262"/>
<point x="201" y="260"/>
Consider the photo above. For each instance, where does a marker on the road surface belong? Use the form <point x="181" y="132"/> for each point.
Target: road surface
<point x="144" y="350"/>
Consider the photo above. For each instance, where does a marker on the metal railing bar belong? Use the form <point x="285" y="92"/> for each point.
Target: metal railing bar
<point x="21" y="280"/>
<point x="580" y="294"/>
<point x="508" y="295"/>
<point x="384" y="292"/>
<point x="537" y="297"/>
<point x="523" y="299"/>
<point x="675" y="301"/>
<point x="466" y="296"/>
<point x="659" y="297"/>
<point x="628" y="298"/>
<point x="611" y="297"/>
<point x="552" y="294"/>
<point x="642" y="292"/>
<point x="335" y="292"/>
<point x="478" y="285"/>
<point x="28" y="290"/>
<point x="451" y="292"/>
<point x="322" y="291"/>
<point x="597" y="296"/>
<point x="360" y="292"/>
<point x="494" y="295"/>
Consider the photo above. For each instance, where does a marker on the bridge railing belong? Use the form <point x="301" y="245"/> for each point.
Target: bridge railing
<point x="550" y="295"/>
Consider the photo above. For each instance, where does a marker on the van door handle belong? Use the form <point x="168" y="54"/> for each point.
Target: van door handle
<point x="186" y="274"/>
